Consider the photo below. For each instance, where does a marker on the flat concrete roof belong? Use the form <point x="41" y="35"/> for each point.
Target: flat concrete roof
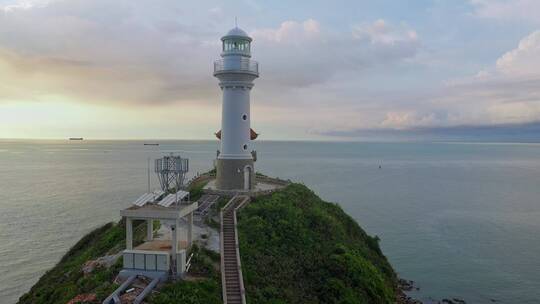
<point x="161" y="245"/>
<point x="153" y="211"/>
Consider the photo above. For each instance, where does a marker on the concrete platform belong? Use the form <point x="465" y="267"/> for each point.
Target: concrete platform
<point x="259" y="186"/>
<point x="200" y="229"/>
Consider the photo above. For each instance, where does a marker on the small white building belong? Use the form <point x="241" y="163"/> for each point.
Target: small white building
<point x="158" y="258"/>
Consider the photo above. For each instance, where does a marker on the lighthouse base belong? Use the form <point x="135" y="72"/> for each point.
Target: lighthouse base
<point x="235" y="174"/>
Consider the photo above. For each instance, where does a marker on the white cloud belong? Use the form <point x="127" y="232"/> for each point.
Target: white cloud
<point x="299" y="54"/>
<point x="408" y="119"/>
<point x="100" y="51"/>
<point x="382" y="33"/>
<point x="514" y="10"/>
<point x="141" y="52"/>
<point x="290" y="32"/>
<point x="507" y="92"/>
<point x="22" y="5"/>
<point x="524" y="60"/>
<point x="128" y="52"/>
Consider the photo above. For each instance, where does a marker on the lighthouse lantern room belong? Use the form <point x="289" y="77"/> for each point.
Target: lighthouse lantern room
<point x="236" y="72"/>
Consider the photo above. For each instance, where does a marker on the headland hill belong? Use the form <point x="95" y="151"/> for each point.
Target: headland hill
<point x="231" y="235"/>
<point x="294" y="248"/>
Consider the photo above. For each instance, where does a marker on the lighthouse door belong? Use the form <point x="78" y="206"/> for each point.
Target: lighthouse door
<point x="247" y="177"/>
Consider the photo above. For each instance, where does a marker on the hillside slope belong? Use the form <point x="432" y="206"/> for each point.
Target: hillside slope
<point x="66" y="280"/>
<point x="296" y="248"/>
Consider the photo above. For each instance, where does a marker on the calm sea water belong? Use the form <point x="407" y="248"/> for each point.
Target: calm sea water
<point x="462" y="220"/>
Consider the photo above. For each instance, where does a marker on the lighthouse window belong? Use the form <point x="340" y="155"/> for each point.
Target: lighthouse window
<point x="231" y="45"/>
<point x="244" y="117"/>
<point x="244" y="46"/>
<point x="228" y="46"/>
<point x="245" y="147"/>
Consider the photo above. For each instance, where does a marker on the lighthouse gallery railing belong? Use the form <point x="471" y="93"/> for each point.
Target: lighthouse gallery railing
<point x="242" y="65"/>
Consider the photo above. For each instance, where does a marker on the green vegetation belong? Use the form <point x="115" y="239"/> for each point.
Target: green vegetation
<point x="204" y="263"/>
<point x="66" y="279"/>
<point x="205" y="291"/>
<point x="196" y="190"/>
<point x="296" y="248"/>
<point x="205" y="288"/>
<point x="222" y="201"/>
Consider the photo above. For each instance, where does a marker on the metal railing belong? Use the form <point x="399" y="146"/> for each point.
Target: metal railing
<point x="241" y="65"/>
<point x="244" y="200"/>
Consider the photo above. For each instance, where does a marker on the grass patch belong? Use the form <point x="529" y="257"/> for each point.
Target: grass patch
<point x="196" y="190"/>
<point x="222" y="201"/>
<point x="206" y="289"/>
<point x="204" y="263"/>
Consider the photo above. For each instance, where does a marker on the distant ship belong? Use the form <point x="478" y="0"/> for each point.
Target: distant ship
<point x="151" y="144"/>
<point x="76" y="138"/>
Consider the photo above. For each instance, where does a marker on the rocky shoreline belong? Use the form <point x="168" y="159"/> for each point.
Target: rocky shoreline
<point x="406" y="286"/>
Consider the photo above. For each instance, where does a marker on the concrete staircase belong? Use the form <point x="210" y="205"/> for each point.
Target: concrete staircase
<point x="231" y="271"/>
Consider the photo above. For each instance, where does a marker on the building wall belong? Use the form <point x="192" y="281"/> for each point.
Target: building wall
<point x="235" y="124"/>
<point x="230" y="173"/>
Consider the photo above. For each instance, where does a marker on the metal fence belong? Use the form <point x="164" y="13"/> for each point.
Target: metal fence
<point x="243" y="65"/>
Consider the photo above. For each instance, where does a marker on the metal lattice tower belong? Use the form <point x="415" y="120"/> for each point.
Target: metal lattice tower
<point x="171" y="171"/>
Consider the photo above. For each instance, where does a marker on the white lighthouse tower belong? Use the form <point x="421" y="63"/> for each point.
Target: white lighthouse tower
<point x="236" y="73"/>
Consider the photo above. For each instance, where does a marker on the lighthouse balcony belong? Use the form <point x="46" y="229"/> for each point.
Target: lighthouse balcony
<point x="241" y="65"/>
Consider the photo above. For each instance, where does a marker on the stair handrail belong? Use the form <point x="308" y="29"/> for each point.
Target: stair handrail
<point x="222" y="255"/>
<point x="222" y="249"/>
<point x="237" y="245"/>
<point x="234" y="199"/>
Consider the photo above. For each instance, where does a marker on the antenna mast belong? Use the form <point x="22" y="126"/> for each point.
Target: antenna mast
<point x="171" y="171"/>
<point x="148" y="173"/>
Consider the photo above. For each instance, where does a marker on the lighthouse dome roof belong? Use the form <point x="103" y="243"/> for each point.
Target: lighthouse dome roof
<point x="236" y="33"/>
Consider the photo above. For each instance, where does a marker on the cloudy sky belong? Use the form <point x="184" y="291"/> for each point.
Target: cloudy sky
<point x="329" y="69"/>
